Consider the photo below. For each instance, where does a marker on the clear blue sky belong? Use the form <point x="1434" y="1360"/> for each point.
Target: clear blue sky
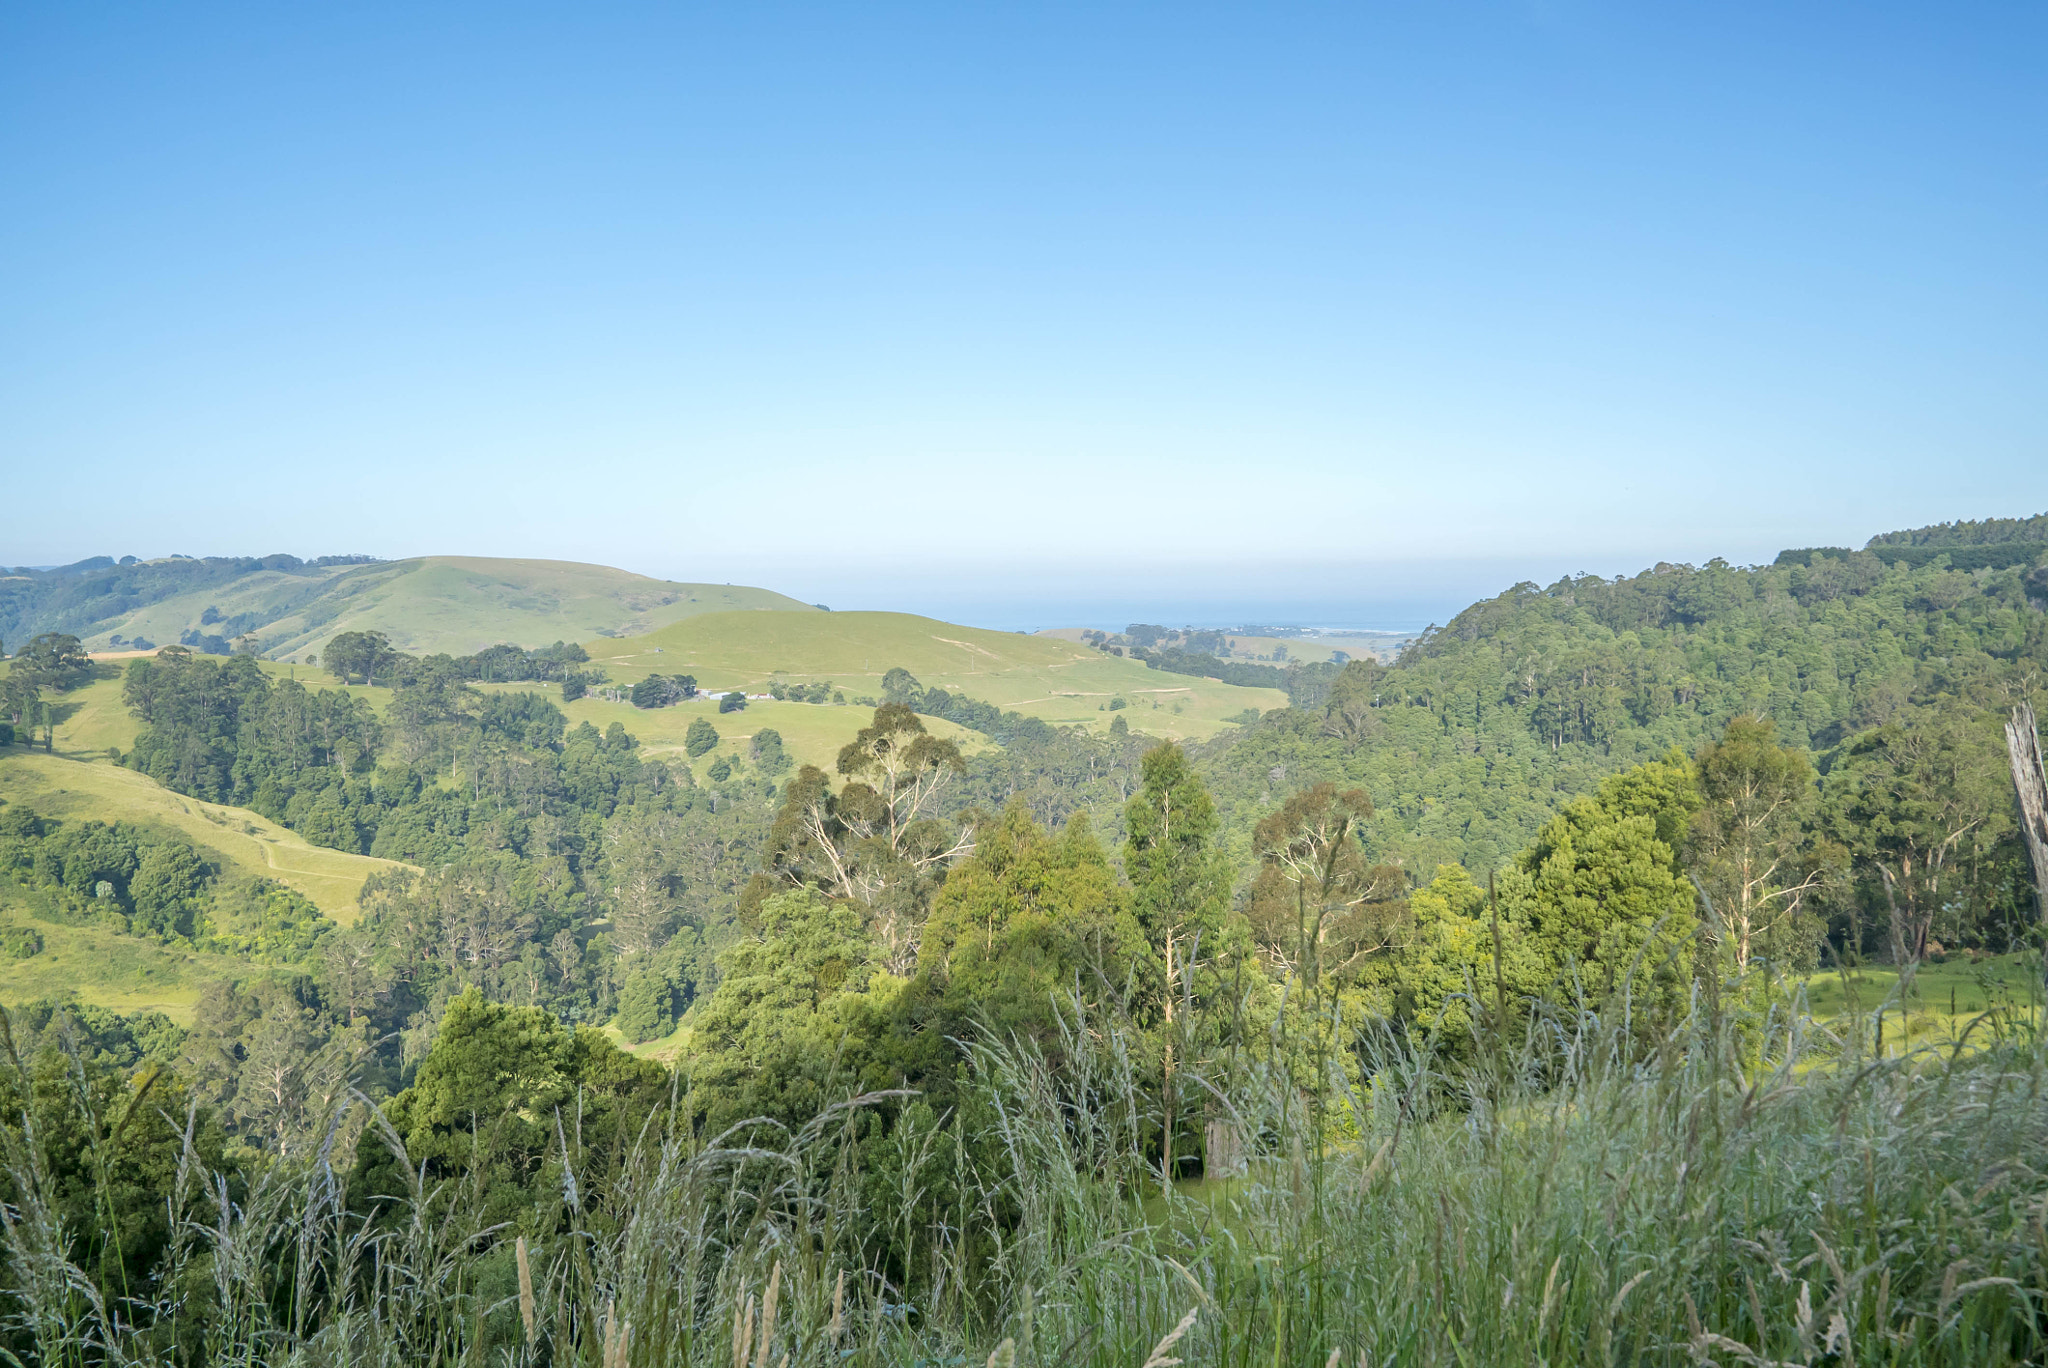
<point x="969" y="304"/>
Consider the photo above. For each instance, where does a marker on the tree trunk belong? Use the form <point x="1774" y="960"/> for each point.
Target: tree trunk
<point x="2030" y="779"/>
<point x="1222" y="1149"/>
<point x="1905" y="948"/>
<point x="1166" y="1081"/>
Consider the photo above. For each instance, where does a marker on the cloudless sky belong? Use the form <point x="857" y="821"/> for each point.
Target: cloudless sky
<point x="1005" y="311"/>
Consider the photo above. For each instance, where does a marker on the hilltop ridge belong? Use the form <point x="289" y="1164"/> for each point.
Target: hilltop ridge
<point x="280" y="606"/>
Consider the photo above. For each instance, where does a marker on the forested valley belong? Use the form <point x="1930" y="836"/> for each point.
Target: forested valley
<point x="1463" y="1010"/>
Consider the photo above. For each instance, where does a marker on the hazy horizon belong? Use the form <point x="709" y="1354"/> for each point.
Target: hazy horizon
<point x="1393" y="596"/>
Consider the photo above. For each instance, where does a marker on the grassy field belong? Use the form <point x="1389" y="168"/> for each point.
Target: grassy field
<point x="104" y="968"/>
<point x="1384" y="645"/>
<point x="1700" y="1203"/>
<point x="1940" y="1002"/>
<point x="662" y="1050"/>
<point x="1056" y="680"/>
<point x="812" y="733"/>
<point x="1038" y="676"/>
<point x="1384" y="648"/>
<point x="92" y="718"/>
<point x="456" y="604"/>
<point x="60" y="787"/>
<point x="267" y="593"/>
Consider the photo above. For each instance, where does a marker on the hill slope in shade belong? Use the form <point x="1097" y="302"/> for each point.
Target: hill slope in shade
<point x="74" y="789"/>
<point x="456" y="604"/>
<point x="1059" y="681"/>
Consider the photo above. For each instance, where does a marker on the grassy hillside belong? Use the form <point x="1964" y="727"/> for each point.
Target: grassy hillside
<point x="57" y="786"/>
<point x="457" y="604"/>
<point x="1044" y="677"/>
<point x="811" y="733"/>
<point x="264" y="595"/>
<point x="92" y="718"/>
<point x="104" y="968"/>
<point x="1381" y="646"/>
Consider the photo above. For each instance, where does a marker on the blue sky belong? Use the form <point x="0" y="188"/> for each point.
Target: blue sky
<point x="1007" y="310"/>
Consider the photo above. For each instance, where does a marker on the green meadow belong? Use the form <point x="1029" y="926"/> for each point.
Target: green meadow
<point x="103" y="968"/>
<point x="92" y="718"/>
<point x="78" y="789"/>
<point x="1306" y="650"/>
<point x="1058" y="681"/>
<point x="1939" y="1000"/>
<point x="812" y="733"/>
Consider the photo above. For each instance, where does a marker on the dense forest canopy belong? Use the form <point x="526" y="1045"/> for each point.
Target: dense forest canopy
<point x="1488" y="723"/>
<point x="1973" y="532"/>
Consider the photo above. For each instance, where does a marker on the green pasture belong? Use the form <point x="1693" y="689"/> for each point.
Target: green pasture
<point x="1308" y="649"/>
<point x="1939" y="1000"/>
<point x="58" y="786"/>
<point x="267" y="593"/>
<point x="662" y="1050"/>
<point x="1257" y="649"/>
<point x="812" y="733"/>
<point x="1059" y="681"/>
<point x="92" y="717"/>
<point x="103" y="968"/>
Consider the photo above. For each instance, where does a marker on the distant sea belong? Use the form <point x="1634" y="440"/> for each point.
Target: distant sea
<point x="1003" y="613"/>
<point x="1402" y="597"/>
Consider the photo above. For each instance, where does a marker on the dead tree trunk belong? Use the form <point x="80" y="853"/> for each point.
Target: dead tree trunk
<point x="2030" y="778"/>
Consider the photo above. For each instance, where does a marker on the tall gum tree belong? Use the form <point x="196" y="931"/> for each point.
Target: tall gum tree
<point x="1748" y="835"/>
<point x="879" y="841"/>
<point x="1913" y="800"/>
<point x="1180" y="890"/>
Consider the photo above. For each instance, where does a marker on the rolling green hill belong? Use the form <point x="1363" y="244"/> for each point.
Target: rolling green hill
<point x="93" y="718"/>
<point x="1058" y="681"/>
<point x="456" y="604"/>
<point x="58" y="786"/>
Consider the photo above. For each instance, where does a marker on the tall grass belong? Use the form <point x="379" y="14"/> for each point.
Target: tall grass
<point x="1730" y="1192"/>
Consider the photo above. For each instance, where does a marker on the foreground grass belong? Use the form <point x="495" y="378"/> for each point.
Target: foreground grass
<point x="78" y="789"/>
<point x="1595" y="1196"/>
